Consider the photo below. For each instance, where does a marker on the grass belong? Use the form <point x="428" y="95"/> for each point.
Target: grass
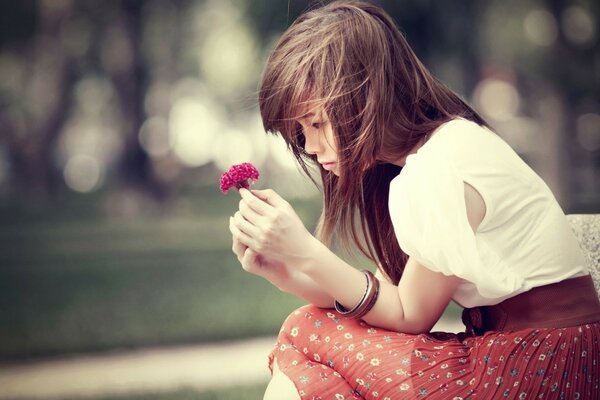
<point x="72" y="280"/>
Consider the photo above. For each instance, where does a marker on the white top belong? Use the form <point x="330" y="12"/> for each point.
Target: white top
<point x="524" y="239"/>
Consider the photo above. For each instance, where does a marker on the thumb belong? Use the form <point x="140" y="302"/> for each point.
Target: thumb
<point x="269" y="196"/>
<point x="249" y="260"/>
<point x="251" y="254"/>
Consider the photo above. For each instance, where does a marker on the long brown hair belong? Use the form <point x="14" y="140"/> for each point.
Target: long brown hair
<point x="351" y="58"/>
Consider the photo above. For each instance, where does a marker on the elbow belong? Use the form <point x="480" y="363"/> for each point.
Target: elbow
<point x="415" y="330"/>
<point x="409" y="324"/>
<point x="413" y="326"/>
<point x="411" y="330"/>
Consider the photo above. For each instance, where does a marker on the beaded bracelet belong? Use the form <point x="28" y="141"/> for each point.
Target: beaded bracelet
<point x="367" y="301"/>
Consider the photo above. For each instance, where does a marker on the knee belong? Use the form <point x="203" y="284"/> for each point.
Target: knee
<point x="281" y="388"/>
<point x="302" y="315"/>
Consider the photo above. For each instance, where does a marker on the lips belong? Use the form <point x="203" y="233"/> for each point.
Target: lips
<point x="328" y="165"/>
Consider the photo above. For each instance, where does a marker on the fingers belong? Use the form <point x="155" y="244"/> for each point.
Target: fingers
<point x="270" y="197"/>
<point x="243" y="225"/>
<point x="242" y="237"/>
<point x="249" y="260"/>
<point x="248" y="213"/>
<point x="258" y="204"/>
<point x="247" y="257"/>
<point x="238" y="248"/>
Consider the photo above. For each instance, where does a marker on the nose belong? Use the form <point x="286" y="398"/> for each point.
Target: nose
<point x="312" y="143"/>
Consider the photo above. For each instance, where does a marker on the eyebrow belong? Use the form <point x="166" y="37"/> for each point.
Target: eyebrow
<point x="312" y="114"/>
<point x="308" y="115"/>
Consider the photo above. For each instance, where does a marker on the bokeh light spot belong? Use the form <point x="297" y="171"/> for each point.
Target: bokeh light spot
<point x="497" y="98"/>
<point x="541" y="28"/>
<point x="82" y="173"/>
<point x="229" y="59"/>
<point x="578" y="25"/>
<point x="232" y="147"/>
<point x="281" y="154"/>
<point x="192" y="127"/>
<point x="154" y="136"/>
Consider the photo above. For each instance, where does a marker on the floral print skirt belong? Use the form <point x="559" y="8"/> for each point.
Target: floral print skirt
<point x="328" y="356"/>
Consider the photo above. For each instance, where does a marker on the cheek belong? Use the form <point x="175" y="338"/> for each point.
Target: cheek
<point x="331" y="139"/>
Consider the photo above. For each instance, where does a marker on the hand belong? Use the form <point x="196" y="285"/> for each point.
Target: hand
<point x="278" y="273"/>
<point x="268" y="225"/>
<point x="274" y="271"/>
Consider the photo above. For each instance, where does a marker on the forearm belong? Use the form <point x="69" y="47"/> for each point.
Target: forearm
<point x="347" y="285"/>
<point x="302" y="286"/>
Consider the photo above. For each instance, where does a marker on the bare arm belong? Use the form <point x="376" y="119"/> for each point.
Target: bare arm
<point x="302" y="286"/>
<point x="420" y="298"/>
<point x="412" y="307"/>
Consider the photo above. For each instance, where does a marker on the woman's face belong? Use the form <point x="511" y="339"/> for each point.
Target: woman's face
<point x="319" y="139"/>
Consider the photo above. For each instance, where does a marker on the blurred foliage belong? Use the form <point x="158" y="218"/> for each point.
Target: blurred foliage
<point x="92" y="284"/>
<point x="135" y="93"/>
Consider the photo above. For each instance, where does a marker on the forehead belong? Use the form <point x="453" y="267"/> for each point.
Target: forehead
<point x="309" y="109"/>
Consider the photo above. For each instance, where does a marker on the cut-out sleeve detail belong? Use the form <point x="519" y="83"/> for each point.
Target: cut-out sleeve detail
<point x="428" y="211"/>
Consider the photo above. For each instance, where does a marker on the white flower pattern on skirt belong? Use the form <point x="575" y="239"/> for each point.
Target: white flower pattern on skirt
<point x="328" y="356"/>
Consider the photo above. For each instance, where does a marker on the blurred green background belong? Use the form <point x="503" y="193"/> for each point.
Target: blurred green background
<point x="118" y="117"/>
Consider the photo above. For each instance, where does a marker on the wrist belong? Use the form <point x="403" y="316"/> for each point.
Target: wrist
<point x="280" y="276"/>
<point x="312" y="257"/>
<point x="284" y="283"/>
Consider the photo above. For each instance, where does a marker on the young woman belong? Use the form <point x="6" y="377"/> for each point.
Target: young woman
<point x="415" y="179"/>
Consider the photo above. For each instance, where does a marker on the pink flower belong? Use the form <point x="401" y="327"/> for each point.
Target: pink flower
<point x="239" y="176"/>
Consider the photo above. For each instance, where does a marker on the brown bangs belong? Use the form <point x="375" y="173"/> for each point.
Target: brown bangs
<point x="282" y="92"/>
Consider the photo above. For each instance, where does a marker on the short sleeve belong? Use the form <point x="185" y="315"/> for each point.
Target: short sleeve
<point x="428" y="212"/>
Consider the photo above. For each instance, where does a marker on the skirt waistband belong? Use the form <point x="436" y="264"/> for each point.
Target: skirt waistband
<point x="567" y="303"/>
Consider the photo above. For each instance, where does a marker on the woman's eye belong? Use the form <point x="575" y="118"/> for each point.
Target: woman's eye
<point x="317" y="125"/>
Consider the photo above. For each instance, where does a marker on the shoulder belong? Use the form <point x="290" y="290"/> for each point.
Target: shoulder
<point x="452" y="145"/>
<point x="457" y="134"/>
<point x="437" y="151"/>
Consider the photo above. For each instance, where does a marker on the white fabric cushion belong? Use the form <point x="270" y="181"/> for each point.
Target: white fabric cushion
<point x="587" y="230"/>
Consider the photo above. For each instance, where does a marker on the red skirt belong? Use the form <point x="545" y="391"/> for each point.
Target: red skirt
<point x="328" y="356"/>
